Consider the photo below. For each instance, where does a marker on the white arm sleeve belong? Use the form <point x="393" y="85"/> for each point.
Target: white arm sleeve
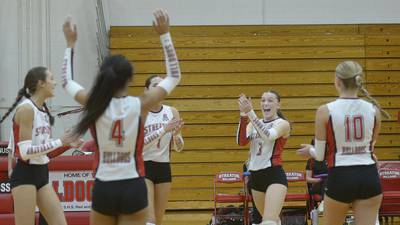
<point x="178" y="143"/>
<point x="265" y="133"/>
<point x="153" y="137"/>
<point x="171" y="63"/>
<point x="318" y="152"/>
<point x="70" y="86"/>
<point x="28" y="151"/>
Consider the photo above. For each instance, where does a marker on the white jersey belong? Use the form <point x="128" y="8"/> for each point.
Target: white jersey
<point x="119" y="137"/>
<point x="41" y="132"/>
<point x="349" y="132"/>
<point x="159" y="150"/>
<point x="265" y="153"/>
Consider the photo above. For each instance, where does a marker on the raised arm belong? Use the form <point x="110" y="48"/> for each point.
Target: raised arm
<point x="75" y="90"/>
<point x="242" y="137"/>
<point x="165" y="87"/>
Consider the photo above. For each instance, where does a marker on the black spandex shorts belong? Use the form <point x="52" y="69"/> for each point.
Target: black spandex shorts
<point x="262" y="179"/>
<point x="158" y="172"/>
<point x="113" y="198"/>
<point x="29" y="174"/>
<point x="349" y="183"/>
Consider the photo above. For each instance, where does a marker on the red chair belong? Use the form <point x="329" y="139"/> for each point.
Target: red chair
<point x="7" y="204"/>
<point x="389" y="173"/>
<point x="219" y="197"/>
<point x="292" y="177"/>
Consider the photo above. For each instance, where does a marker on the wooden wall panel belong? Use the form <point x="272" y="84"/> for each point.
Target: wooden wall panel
<point x="220" y="62"/>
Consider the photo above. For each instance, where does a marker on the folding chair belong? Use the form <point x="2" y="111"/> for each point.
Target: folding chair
<point x="229" y="178"/>
<point x="389" y="173"/>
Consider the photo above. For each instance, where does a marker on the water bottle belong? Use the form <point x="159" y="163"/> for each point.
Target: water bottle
<point x="314" y="217"/>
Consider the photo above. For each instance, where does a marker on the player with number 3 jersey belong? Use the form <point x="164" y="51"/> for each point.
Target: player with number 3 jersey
<point x="267" y="137"/>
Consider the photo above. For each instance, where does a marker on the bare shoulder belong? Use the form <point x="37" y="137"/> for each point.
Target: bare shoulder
<point x="24" y="113"/>
<point x="322" y="113"/>
<point x="284" y="125"/>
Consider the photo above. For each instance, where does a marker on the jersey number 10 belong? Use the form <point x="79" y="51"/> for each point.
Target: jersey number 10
<point x="354" y="128"/>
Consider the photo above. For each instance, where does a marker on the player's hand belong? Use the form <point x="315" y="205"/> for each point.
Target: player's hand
<point x="70" y="32"/>
<point x="161" y="22"/>
<point x="69" y="138"/>
<point x="304" y="151"/>
<point x="77" y="143"/>
<point x="245" y="105"/>
<point x="170" y="126"/>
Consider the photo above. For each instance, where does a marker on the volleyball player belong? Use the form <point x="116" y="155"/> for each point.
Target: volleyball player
<point x="116" y="122"/>
<point x="162" y="132"/>
<point x="267" y="137"/>
<point x="32" y="145"/>
<point x="349" y="127"/>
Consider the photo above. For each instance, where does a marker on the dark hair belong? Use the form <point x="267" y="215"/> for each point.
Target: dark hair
<point x="278" y="97"/>
<point x="112" y="77"/>
<point x="32" y="78"/>
<point x="148" y="80"/>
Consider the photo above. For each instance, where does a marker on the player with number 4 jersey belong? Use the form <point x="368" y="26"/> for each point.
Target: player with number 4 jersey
<point x="116" y="121"/>
<point x="267" y="137"/>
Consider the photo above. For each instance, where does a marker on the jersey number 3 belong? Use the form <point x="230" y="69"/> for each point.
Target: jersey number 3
<point x="354" y="128"/>
<point x="117" y="132"/>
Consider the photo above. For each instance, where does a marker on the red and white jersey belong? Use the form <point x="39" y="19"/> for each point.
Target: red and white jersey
<point x="349" y="132"/>
<point x="119" y="137"/>
<point x="265" y="153"/>
<point x="159" y="150"/>
<point x="41" y="132"/>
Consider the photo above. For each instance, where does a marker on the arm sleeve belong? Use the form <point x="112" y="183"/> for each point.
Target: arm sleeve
<point x="154" y="136"/>
<point x="241" y="136"/>
<point x="171" y="63"/>
<point x="58" y="151"/>
<point x="265" y="133"/>
<point x="28" y="151"/>
<point x="178" y="143"/>
<point x="69" y="85"/>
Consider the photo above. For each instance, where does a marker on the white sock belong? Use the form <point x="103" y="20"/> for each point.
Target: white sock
<point x="150" y="224"/>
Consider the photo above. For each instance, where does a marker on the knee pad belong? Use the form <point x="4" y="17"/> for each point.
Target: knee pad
<point x="269" y="222"/>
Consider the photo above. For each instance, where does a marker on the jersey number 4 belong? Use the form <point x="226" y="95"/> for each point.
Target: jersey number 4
<point x="117" y="132"/>
<point x="354" y="128"/>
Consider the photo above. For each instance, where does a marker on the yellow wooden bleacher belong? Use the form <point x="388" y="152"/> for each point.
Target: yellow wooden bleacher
<point x="220" y="62"/>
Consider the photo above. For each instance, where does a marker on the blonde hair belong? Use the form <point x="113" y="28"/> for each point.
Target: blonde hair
<point x="350" y="73"/>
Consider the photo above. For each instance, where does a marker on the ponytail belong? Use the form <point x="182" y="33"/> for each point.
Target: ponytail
<point x="99" y="98"/>
<point x="364" y="91"/>
<point x="280" y="114"/>
<point x="21" y="93"/>
<point x="51" y="118"/>
<point x="115" y="72"/>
